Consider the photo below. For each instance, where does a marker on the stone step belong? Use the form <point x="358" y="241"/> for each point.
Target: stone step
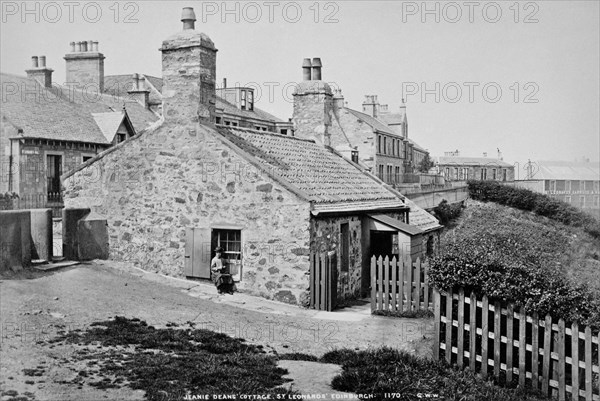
<point x="56" y="265"/>
<point x="38" y="262"/>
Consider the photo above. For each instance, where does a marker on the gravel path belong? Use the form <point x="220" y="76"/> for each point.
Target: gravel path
<point x="35" y="307"/>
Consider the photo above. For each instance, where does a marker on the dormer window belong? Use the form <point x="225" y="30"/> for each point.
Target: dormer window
<point x="247" y="99"/>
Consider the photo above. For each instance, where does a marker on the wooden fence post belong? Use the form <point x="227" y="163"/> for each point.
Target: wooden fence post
<point x="522" y="347"/>
<point x="547" y="354"/>
<point x="417" y="265"/>
<point x="373" y="284"/>
<point x="449" y="327"/>
<point x="588" y="363"/>
<point x="535" y="351"/>
<point x="561" y="360"/>
<point x="385" y="290"/>
<point x="436" y="324"/>
<point x="497" y="338"/>
<point x="510" y="315"/>
<point x="575" y="360"/>
<point x="485" y="311"/>
<point x="394" y="267"/>
<point x="473" y="332"/>
<point x="460" y="341"/>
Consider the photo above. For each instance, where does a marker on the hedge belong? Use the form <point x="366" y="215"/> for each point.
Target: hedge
<point x="530" y="201"/>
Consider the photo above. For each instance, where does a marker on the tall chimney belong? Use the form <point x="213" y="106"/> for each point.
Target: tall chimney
<point x="40" y="72"/>
<point x="85" y="66"/>
<point x="316" y="69"/>
<point x="306" y="70"/>
<point x="189" y="68"/>
<point x="371" y="105"/>
<point x="338" y="101"/>
<point x="313" y="106"/>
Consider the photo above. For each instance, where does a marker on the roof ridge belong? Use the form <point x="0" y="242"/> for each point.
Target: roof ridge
<point x="276" y="134"/>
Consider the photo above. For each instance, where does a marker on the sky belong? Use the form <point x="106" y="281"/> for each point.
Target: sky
<point x="521" y="77"/>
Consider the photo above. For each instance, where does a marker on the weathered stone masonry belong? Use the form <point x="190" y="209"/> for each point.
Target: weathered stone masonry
<point x="151" y="188"/>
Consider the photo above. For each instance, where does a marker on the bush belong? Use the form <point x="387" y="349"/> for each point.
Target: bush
<point x="446" y="212"/>
<point x="512" y="257"/>
<point x="543" y="205"/>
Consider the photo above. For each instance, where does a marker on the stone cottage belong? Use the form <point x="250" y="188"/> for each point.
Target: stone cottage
<point x="270" y="200"/>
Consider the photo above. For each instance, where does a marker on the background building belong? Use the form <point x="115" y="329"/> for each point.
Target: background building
<point x="455" y="167"/>
<point x="576" y="183"/>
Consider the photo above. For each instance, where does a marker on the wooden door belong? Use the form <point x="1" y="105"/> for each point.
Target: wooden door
<point x="197" y="252"/>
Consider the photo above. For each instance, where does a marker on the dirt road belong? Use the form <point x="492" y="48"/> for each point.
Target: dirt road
<point x="35" y="309"/>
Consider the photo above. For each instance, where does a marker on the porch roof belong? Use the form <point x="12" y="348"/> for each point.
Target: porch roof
<point x="397" y="224"/>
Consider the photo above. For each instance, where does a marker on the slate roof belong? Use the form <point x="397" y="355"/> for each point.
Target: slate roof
<point x="373" y="122"/>
<point x="118" y="85"/>
<point x="254" y="114"/>
<point x="560" y="170"/>
<point x="406" y="228"/>
<point x="41" y="114"/>
<point x="420" y="218"/>
<point x="327" y="179"/>
<point x="393" y="118"/>
<point x="471" y="161"/>
<point x="109" y="123"/>
<point x="417" y="146"/>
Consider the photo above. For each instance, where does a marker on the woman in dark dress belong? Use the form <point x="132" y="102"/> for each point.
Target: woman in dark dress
<point x="220" y="273"/>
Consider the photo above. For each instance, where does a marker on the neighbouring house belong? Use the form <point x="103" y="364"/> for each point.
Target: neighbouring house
<point x="455" y="167"/>
<point x="375" y="138"/>
<point x="270" y="200"/>
<point x="234" y="106"/>
<point x="576" y="183"/>
<point x="47" y="130"/>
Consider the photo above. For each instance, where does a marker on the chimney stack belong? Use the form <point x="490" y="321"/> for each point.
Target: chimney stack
<point x="306" y="70"/>
<point x="313" y="105"/>
<point x="338" y="101"/>
<point x="85" y="65"/>
<point x="139" y="93"/>
<point x="40" y="72"/>
<point x="189" y="69"/>
<point x="371" y="105"/>
<point x="316" y="69"/>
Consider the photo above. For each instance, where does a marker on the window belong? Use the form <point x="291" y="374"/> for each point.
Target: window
<point x="378" y="143"/>
<point x="218" y="120"/>
<point x="568" y="186"/>
<point x="354" y="156"/>
<point x="121" y="138"/>
<point x="283" y="131"/>
<point x="568" y="199"/>
<point x="494" y="174"/>
<point x="53" y="173"/>
<point x="560" y="185"/>
<point x="447" y="172"/>
<point x="86" y="158"/>
<point x="483" y="174"/>
<point x="596" y="201"/>
<point x="231" y="242"/>
<point x="389" y="172"/>
<point x="345" y="247"/>
<point x="455" y="173"/>
<point x="381" y="172"/>
<point x="397" y="175"/>
<point x="243" y="100"/>
<point x="574" y="186"/>
<point x="504" y="173"/>
<point x="250" y="100"/>
<point x="384" y="145"/>
<point x="582" y="201"/>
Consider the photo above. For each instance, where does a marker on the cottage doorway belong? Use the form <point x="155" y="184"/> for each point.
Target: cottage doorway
<point x="382" y="243"/>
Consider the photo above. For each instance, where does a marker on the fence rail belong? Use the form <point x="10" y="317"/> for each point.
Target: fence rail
<point x="514" y="347"/>
<point x="399" y="285"/>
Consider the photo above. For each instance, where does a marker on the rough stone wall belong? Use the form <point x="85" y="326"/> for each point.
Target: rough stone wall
<point x="326" y="236"/>
<point x="86" y="70"/>
<point x="151" y="188"/>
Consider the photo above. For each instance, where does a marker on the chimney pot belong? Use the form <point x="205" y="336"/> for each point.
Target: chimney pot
<point x="90" y="45"/>
<point x="72" y="47"/>
<point x="316" y="69"/>
<point x="306" y="69"/>
<point x="84" y="46"/>
<point x="77" y="47"/>
<point x="42" y="61"/>
<point x="95" y="45"/>
<point x="224" y="83"/>
<point x="188" y="17"/>
<point x="34" y="62"/>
